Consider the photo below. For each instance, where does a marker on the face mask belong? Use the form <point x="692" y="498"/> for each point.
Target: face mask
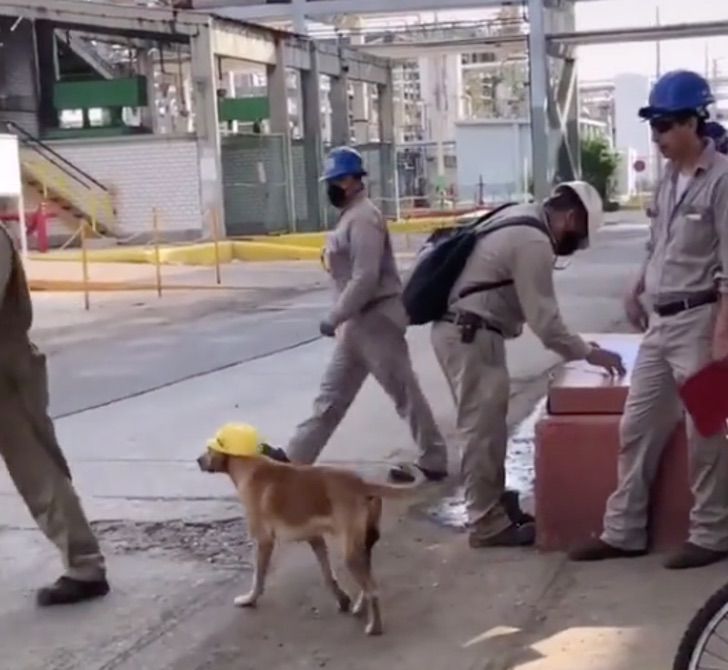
<point x="336" y="195"/>
<point x="568" y="244"/>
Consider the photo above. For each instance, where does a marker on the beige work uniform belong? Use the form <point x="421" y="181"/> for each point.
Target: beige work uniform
<point x="477" y="372"/>
<point x="687" y="255"/>
<point x="371" y="322"/>
<point x="28" y="442"/>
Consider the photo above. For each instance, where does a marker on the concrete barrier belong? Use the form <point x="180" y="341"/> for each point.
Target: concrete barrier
<point x="577" y="445"/>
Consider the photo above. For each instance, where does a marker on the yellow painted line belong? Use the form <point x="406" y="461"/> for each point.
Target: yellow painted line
<point x="294" y="247"/>
<point x="74" y="286"/>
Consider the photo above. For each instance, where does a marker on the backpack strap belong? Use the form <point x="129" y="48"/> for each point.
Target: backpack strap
<point x="489" y="215"/>
<point x="528" y="221"/>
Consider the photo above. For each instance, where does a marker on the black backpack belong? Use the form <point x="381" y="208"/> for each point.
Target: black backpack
<point x="441" y="262"/>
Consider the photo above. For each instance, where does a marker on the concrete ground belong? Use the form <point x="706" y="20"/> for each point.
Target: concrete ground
<point x="138" y="384"/>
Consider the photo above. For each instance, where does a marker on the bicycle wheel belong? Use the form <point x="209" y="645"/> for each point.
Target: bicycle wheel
<point x="704" y="645"/>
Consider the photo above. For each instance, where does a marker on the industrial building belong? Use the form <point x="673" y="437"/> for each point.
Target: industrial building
<point x="123" y="110"/>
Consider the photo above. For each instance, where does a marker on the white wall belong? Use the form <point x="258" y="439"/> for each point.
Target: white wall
<point x="144" y="173"/>
<point x="631" y="91"/>
<point x="497" y="150"/>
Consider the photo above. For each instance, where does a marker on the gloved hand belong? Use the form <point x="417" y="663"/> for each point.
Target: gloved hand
<point x="327" y="329"/>
<point x="610" y="361"/>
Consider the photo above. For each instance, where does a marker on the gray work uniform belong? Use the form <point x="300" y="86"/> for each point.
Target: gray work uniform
<point x="371" y="322"/>
<point x="28" y="442"/>
<point x="477" y="372"/>
<point x="687" y="256"/>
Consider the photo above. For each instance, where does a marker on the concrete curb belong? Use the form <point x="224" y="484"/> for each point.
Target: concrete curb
<point x="293" y="247"/>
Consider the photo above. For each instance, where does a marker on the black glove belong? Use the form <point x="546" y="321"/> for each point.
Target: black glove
<point x="327" y="329"/>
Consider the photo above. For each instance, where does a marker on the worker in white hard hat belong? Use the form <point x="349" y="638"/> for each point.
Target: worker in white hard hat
<point x="507" y="282"/>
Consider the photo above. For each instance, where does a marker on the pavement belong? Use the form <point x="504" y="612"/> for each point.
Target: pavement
<point x="137" y="385"/>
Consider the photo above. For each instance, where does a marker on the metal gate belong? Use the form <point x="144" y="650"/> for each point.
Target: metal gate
<point x="257" y="176"/>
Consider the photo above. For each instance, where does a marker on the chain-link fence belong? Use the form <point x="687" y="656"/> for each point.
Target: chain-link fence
<point x="258" y="174"/>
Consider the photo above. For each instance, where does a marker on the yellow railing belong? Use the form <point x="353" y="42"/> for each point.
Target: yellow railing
<point x="94" y="203"/>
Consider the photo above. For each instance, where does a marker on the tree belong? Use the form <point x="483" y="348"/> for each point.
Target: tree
<point x="598" y="165"/>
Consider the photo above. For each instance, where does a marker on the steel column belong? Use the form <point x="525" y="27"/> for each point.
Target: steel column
<point x="539" y="93"/>
<point x="340" y="125"/>
<point x="204" y="78"/>
<point x="312" y="139"/>
<point x="388" y="147"/>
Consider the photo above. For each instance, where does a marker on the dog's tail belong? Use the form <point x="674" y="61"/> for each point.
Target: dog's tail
<point x="393" y="491"/>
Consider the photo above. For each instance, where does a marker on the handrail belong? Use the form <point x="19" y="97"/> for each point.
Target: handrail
<point x="28" y="138"/>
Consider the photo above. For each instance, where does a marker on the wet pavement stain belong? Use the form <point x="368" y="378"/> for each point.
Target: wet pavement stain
<point x="224" y="543"/>
<point x="520" y="475"/>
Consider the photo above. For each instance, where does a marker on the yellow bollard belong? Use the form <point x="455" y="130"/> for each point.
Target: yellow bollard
<point x="157" y="259"/>
<point x="216" y="244"/>
<point x="94" y="213"/>
<point x="84" y="267"/>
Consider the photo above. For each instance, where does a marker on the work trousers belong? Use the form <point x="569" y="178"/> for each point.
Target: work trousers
<point x="36" y="463"/>
<point x="478" y="378"/>
<point x="370" y="343"/>
<point x="673" y="349"/>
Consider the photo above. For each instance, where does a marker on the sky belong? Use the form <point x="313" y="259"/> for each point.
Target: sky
<point x="606" y="61"/>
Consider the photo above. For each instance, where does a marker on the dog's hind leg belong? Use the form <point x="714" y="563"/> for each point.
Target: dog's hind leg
<point x="372" y="537"/>
<point x="262" y="563"/>
<point x="322" y="555"/>
<point x="358" y="561"/>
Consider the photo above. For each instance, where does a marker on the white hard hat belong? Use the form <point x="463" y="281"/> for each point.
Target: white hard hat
<point x="592" y="202"/>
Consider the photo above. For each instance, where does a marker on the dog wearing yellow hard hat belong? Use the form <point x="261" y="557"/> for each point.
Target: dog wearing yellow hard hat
<point x="303" y="503"/>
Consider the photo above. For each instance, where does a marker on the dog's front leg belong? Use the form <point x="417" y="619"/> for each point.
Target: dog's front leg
<point x="262" y="562"/>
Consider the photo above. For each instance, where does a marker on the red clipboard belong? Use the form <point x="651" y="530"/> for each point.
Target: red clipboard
<point x="705" y="396"/>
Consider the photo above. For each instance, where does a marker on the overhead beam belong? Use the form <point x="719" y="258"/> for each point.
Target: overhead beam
<point x="105" y="17"/>
<point x="402" y="50"/>
<point x="648" y="34"/>
<point x="261" y="11"/>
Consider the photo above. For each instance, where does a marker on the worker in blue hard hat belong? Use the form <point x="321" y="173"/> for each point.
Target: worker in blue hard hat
<point x="717" y="132"/>
<point x="369" y="322"/>
<point x="680" y="302"/>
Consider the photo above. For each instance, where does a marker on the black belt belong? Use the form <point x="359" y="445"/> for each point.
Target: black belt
<point x="678" y="306"/>
<point x="470" y="320"/>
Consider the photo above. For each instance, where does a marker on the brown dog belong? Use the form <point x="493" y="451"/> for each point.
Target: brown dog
<point x="302" y="503"/>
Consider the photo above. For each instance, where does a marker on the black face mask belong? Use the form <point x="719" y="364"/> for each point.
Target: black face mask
<point x="336" y="195"/>
<point x="568" y="244"/>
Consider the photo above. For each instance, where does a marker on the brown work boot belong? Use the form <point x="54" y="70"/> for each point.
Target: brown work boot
<point x="513" y="536"/>
<point x="693" y="556"/>
<point x="67" y="591"/>
<point x="598" y="550"/>
<point x="510" y="500"/>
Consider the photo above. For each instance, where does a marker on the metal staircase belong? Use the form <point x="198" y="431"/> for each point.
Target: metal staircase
<point x="67" y="188"/>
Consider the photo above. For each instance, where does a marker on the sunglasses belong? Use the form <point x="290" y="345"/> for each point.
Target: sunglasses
<point x="663" y="124"/>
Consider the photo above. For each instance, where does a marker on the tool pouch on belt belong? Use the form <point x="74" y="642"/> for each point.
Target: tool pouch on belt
<point x="469" y="325"/>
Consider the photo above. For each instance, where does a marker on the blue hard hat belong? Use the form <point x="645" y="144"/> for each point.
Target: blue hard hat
<point x="676" y="92"/>
<point x="718" y="133"/>
<point x="343" y="162"/>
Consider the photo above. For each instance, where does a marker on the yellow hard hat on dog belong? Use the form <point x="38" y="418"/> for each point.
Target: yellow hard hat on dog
<point x="236" y="439"/>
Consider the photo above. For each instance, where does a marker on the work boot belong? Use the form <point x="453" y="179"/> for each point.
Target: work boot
<point x="67" y="591"/>
<point x="402" y="474"/>
<point x="511" y="502"/>
<point x="513" y="536"/>
<point x="274" y="453"/>
<point x="598" y="550"/>
<point x="693" y="556"/>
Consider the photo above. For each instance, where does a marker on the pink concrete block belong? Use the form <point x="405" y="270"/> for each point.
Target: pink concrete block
<point x="580" y="388"/>
<point x="576" y="471"/>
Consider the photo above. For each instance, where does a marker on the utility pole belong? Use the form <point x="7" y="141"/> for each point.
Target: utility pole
<point x="658" y="74"/>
